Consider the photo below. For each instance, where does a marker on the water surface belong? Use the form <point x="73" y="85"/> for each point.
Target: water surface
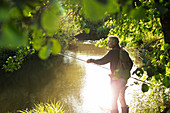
<point x="80" y="87"/>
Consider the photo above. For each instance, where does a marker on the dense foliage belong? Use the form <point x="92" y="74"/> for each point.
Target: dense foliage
<point x="156" y="100"/>
<point x="51" y="107"/>
<point x="40" y="25"/>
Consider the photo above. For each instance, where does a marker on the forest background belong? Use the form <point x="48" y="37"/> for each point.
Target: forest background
<point x="45" y="27"/>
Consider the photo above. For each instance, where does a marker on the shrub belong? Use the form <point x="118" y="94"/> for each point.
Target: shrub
<point x="54" y="107"/>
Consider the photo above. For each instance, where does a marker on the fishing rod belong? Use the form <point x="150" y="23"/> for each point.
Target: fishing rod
<point x="97" y="65"/>
<point x="82" y="60"/>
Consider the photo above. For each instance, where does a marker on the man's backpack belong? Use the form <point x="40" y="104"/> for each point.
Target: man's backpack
<point x="124" y="66"/>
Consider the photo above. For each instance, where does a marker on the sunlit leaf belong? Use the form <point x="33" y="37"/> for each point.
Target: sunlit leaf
<point x="145" y="87"/>
<point x="87" y="30"/>
<point x="50" y="18"/>
<point x="27" y="11"/>
<point x="92" y="10"/>
<point x="95" y="11"/>
<point x="38" y="43"/>
<point x="44" y="52"/>
<point x="56" y="47"/>
<point x="36" y="32"/>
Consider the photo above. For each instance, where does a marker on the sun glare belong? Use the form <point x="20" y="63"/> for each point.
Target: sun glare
<point x="96" y="92"/>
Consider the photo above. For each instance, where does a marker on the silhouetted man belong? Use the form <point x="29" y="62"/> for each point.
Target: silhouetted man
<point x="117" y="82"/>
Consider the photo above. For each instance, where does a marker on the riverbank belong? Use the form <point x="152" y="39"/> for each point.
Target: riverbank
<point x="17" y="87"/>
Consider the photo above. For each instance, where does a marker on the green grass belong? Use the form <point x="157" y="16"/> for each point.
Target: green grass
<point x="52" y="107"/>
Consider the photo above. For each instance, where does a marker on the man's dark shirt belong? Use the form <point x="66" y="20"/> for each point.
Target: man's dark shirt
<point x="111" y="57"/>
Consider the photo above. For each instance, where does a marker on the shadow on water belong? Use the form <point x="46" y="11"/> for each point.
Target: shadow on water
<point x="59" y="78"/>
<point x="24" y="87"/>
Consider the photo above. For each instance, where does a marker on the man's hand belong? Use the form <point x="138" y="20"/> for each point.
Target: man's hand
<point x="88" y="61"/>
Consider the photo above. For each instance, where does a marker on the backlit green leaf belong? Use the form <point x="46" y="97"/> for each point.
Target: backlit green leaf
<point x="50" y="18"/>
<point x="27" y="11"/>
<point x="95" y="11"/>
<point x="36" y="32"/>
<point x="44" y="52"/>
<point x="87" y="30"/>
<point x="38" y="43"/>
<point x="56" y="47"/>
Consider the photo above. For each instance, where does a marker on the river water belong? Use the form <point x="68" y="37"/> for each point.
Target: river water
<point x="80" y="87"/>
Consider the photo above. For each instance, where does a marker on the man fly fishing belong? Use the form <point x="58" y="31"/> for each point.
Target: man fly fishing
<point x="120" y="66"/>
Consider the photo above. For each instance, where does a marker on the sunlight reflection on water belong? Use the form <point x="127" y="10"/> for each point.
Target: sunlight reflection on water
<point x="96" y="91"/>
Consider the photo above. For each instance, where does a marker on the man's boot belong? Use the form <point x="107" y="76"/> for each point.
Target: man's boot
<point x="125" y="109"/>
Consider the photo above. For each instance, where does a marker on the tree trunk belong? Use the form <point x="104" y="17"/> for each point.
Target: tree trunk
<point x="165" y="22"/>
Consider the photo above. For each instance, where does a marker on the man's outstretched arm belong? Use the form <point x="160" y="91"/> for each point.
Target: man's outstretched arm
<point x="104" y="60"/>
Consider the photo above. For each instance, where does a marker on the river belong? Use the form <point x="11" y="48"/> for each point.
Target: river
<point x="80" y="87"/>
